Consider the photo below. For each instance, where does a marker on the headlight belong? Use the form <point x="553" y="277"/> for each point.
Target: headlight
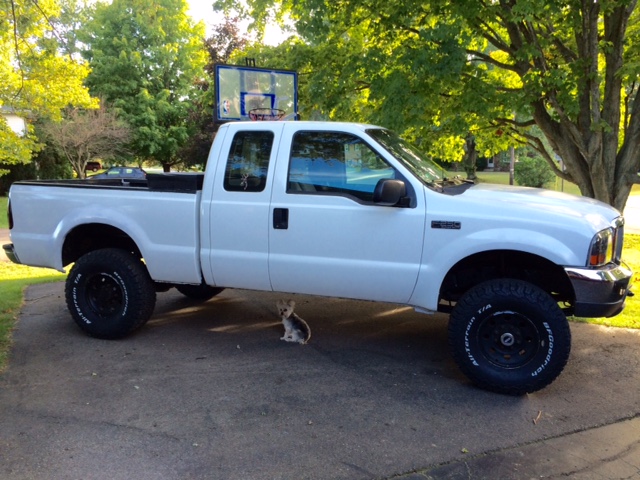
<point x="601" y="251"/>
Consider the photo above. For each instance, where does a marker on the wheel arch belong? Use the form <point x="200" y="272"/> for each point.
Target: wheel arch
<point x="494" y="264"/>
<point x="88" y="237"/>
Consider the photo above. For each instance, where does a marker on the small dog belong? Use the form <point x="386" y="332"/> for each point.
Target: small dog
<point x="295" y="328"/>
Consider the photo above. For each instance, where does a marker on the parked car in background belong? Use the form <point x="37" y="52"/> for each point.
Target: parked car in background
<point x="122" y="172"/>
<point x="93" y="167"/>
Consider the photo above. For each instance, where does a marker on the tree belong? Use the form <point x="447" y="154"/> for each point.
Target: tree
<point x="578" y="76"/>
<point x="146" y="60"/>
<point x="15" y="148"/>
<point x="353" y="66"/>
<point x="84" y="135"/>
<point x="225" y="40"/>
<point x="37" y="77"/>
<point x="445" y="68"/>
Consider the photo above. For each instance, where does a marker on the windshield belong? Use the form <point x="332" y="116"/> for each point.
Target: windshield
<point x="423" y="168"/>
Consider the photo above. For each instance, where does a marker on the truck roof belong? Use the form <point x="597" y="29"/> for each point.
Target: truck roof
<point x="307" y="124"/>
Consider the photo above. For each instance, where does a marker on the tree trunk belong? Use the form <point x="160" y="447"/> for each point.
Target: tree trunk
<point x="471" y="157"/>
<point x="604" y="175"/>
<point x="598" y="158"/>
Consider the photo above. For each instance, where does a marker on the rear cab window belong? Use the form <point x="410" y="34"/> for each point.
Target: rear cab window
<point x="248" y="161"/>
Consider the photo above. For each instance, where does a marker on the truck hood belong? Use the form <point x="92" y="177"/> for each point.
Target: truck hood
<point x="537" y="203"/>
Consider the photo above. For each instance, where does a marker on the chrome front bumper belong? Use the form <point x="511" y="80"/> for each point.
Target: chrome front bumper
<point x="599" y="292"/>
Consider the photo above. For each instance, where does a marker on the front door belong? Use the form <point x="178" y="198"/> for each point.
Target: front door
<point x="326" y="236"/>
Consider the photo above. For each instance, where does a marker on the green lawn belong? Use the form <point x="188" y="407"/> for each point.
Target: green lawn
<point x="559" y="185"/>
<point x="4" y="221"/>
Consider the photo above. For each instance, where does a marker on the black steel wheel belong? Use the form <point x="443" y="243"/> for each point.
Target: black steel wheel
<point x="509" y="336"/>
<point x="109" y="293"/>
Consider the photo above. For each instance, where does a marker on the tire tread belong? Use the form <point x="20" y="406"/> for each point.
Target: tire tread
<point x="519" y="291"/>
<point x="142" y="291"/>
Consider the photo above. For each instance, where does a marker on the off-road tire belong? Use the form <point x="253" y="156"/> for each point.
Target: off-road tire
<point x="509" y="336"/>
<point x="199" y="292"/>
<point x="109" y="293"/>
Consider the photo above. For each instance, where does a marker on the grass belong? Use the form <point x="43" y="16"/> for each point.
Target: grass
<point x="4" y="221"/>
<point x="559" y="185"/>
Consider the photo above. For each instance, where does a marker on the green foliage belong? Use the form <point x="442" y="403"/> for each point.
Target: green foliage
<point x="225" y="39"/>
<point x="147" y="59"/>
<point x="4" y="221"/>
<point x="440" y="70"/>
<point x="533" y="172"/>
<point x="15" y="149"/>
<point x="15" y="172"/>
<point x="37" y="78"/>
<point x="398" y="65"/>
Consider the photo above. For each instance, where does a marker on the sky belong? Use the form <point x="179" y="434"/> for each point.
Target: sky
<point x="203" y="10"/>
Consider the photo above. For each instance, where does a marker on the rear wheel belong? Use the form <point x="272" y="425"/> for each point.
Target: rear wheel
<point x="509" y="336"/>
<point x="109" y="293"/>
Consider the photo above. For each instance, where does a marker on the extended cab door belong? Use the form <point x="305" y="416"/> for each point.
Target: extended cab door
<point x="236" y="244"/>
<point x="326" y="235"/>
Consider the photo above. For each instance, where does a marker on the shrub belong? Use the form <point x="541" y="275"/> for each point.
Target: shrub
<point x="533" y="172"/>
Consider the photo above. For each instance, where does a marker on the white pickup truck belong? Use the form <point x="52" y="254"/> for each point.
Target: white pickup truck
<point x="341" y="210"/>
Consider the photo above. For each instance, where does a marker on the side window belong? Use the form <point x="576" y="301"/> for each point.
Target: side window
<point x="335" y="163"/>
<point x="248" y="162"/>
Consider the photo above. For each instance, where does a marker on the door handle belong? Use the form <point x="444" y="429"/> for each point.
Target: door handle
<point x="280" y="218"/>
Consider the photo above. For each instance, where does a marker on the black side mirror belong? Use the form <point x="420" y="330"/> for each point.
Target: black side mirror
<point x="389" y="192"/>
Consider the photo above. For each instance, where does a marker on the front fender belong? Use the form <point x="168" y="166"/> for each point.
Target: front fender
<point x="445" y="248"/>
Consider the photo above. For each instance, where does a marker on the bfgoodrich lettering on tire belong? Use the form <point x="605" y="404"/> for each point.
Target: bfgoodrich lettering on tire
<point x="109" y="293"/>
<point x="509" y="336"/>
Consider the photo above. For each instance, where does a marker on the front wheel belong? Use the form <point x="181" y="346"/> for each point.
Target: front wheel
<point x="509" y="336"/>
<point x="109" y="293"/>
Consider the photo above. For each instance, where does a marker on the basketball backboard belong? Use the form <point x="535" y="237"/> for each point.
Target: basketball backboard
<point x="242" y="89"/>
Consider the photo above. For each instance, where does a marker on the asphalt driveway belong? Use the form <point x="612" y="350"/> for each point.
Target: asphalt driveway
<point x="208" y="391"/>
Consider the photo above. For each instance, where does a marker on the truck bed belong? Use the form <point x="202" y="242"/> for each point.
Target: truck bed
<point x="167" y="182"/>
<point x="160" y="214"/>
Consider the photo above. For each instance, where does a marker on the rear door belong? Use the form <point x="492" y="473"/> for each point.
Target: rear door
<point x="326" y="236"/>
<point x="238" y="245"/>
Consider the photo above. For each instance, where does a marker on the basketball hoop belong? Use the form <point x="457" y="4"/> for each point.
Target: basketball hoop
<point x="265" y="114"/>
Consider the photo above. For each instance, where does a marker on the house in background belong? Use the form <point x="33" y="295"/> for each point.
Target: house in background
<point x="15" y="122"/>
